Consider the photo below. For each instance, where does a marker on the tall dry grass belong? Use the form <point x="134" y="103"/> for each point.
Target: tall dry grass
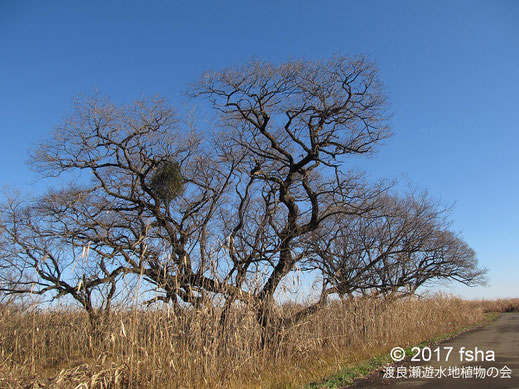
<point x="499" y="305"/>
<point x="165" y="349"/>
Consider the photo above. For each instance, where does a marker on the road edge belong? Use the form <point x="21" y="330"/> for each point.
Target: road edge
<point x="351" y="376"/>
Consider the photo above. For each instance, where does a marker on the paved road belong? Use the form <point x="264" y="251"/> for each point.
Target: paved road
<point x="500" y="336"/>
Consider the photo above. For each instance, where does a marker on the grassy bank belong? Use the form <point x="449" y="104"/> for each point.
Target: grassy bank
<point x="353" y="371"/>
<point x="164" y="349"/>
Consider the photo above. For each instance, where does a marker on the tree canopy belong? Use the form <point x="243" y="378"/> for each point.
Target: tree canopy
<point x="225" y="214"/>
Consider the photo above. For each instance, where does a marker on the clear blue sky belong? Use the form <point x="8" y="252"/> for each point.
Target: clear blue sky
<point x="451" y="67"/>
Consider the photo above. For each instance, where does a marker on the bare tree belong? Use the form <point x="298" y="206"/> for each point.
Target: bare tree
<point x="38" y="257"/>
<point x="292" y="126"/>
<point x="228" y="214"/>
<point x="151" y="194"/>
<point x="393" y="249"/>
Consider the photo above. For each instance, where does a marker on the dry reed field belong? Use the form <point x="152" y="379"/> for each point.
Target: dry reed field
<point x="164" y="349"/>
